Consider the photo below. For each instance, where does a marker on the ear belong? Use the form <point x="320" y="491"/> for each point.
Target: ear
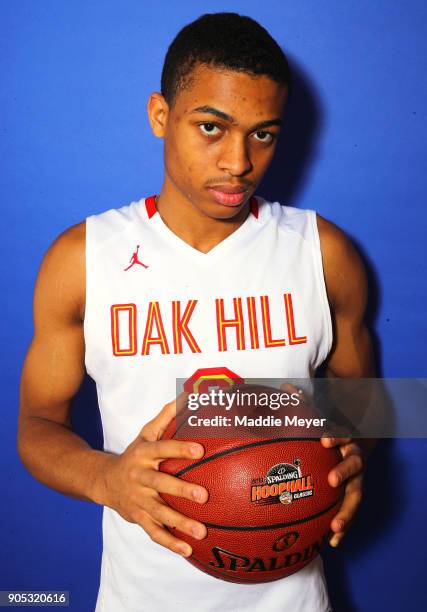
<point x="158" y="113"/>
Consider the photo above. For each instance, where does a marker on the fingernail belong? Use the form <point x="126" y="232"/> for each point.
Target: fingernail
<point x="334" y="541"/>
<point x="197" y="494"/>
<point x="184" y="550"/>
<point x="196" y="451"/>
<point x="198" y="532"/>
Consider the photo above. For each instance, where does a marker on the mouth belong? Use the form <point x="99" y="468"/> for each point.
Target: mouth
<point x="229" y="196"/>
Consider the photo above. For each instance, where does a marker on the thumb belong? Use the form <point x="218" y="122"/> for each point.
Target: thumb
<point x="288" y="388"/>
<point x="291" y="389"/>
<point x="154" y="429"/>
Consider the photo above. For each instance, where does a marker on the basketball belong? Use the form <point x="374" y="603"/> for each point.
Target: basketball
<point x="270" y="505"/>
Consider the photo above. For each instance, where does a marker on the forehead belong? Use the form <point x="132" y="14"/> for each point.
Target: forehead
<point x="235" y="93"/>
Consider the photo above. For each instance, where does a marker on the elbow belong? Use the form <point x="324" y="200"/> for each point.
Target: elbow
<point x="22" y="445"/>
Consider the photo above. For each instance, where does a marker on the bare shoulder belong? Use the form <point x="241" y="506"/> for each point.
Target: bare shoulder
<point x="61" y="279"/>
<point x="73" y="237"/>
<point x="344" y="271"/>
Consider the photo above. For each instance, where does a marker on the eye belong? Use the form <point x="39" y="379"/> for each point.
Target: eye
<point x="266" y="136"/>
<point x="208" y="129"/>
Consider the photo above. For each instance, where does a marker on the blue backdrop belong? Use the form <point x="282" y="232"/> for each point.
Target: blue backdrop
<point x="76" y="140"/>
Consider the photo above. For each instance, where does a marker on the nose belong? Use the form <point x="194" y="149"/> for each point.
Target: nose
<point x="234" y="157"/>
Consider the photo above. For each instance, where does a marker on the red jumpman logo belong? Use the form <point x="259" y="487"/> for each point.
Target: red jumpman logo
<point x="134" y="260"/>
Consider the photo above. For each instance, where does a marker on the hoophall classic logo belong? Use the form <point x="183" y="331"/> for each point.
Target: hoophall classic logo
<point x="284" y="483"/>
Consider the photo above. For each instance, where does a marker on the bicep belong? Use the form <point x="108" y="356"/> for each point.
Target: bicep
<point x="53" y="369"/>
<point x="351" y="353"/>
<point x="52" y="373"/>
<point x="347" y="287"/>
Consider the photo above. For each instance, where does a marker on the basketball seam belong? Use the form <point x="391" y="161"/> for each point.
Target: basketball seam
<point x="238" y="448"/>
<point x="276" y="525"/>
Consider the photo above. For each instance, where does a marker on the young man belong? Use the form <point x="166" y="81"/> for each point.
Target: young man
<point x="163" y="288"/>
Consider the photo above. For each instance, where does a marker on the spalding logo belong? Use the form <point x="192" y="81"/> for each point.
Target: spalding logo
<point x="285" y="541"/>
<point x="231" y="562"/>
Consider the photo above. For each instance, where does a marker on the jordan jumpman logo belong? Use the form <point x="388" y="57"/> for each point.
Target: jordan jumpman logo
<point x="134" y="260"/>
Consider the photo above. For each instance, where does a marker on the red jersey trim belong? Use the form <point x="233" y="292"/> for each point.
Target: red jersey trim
<point x="253" y="203"/>
<point x="150" y="205"/>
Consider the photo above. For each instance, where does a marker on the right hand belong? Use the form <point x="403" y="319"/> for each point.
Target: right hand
<point x="132" y="482"/>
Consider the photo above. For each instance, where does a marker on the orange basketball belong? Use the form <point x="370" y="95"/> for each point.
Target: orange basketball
<point x="270" y="505"/>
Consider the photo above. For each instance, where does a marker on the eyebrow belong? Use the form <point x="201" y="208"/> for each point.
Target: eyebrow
<point x="214" y="111"/>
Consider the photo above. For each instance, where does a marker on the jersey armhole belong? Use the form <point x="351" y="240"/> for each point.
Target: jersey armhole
<point x="321" y="284"/>
<point x="88" y="292"/>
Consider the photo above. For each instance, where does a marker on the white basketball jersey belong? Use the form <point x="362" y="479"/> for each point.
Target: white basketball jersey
<point x="158" y="310"/>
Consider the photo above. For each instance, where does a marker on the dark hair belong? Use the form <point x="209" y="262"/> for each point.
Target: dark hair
<point x="224" y="40"/>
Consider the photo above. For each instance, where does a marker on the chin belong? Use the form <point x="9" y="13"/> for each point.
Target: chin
<point x="211" y="208"/>
<point x="220" y="211"/>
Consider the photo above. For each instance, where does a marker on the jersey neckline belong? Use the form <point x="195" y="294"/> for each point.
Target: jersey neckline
<point x="222" y="246"/>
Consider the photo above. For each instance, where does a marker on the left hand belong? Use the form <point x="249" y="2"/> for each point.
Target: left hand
<point x="350" y="472"/>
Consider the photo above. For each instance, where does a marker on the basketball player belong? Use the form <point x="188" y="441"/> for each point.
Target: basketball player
<point x="166" y="287"/>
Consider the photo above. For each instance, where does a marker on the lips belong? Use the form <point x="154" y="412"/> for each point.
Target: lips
<point x="229" y="196"/>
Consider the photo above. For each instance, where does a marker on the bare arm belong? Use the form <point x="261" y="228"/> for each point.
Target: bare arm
<point x="345" y="276"/>
<point x="350" y="357"/>
<point x="52" y="452"/>
<point x="53" y="371"/>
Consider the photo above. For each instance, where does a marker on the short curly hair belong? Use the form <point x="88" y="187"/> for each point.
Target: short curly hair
<point x="225" y="40"/>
